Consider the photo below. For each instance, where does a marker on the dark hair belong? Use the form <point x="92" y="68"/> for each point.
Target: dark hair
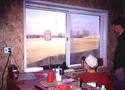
<point x="83" y="58"/>
<point x="119" y="21"/>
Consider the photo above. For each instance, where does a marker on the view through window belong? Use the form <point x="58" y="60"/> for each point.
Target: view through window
<point x="56" y="34"/>
<point x="45" y="32"/>
<point x="84" y="36"/>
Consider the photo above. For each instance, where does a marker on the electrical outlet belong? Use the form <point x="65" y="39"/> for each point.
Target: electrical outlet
<point x="7" y="50"/>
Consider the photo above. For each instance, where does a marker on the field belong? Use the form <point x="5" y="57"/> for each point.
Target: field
<point x="39" y="49"/>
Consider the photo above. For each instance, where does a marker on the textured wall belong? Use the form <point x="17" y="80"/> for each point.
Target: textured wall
<point x="11" y="27"/>
<point x="11" y="32"/>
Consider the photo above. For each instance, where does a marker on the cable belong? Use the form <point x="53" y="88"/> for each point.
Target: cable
<point x="4" y="71"/>
<point x="14" y="60"/>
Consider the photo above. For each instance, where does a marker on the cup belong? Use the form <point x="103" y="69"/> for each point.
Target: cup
<point x="50" y="77"/>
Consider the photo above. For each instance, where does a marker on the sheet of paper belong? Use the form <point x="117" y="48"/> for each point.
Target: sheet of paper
<point x="29" y="76"/>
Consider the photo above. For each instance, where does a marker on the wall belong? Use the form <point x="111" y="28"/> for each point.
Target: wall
<point x="12" y="32"/>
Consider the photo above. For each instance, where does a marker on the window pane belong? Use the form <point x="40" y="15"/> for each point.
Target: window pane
<point x="45" y="37"/>
<point x="84" y="36"/>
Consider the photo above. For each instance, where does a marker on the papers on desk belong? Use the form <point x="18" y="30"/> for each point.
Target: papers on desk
<point x="68" y="80"/>
<point x="47" y="85"/>
<point x="33" y="69"/>
<point x="53" y="84"/>
<point x="74" y="70"/>
<point x="28" y="76"/>
<point x="69" y="70"/>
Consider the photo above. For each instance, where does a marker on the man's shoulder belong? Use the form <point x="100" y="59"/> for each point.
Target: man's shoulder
<point x="122" y="37"/>
<point x="123" y="33"/>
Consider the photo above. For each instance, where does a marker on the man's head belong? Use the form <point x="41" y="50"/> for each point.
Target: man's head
<point x="118" y="25"/>
<point x="91" y="61"/>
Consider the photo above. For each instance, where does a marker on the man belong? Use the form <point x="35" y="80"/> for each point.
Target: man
<point x="118" y="26"/>
<point x="90" y="64"/>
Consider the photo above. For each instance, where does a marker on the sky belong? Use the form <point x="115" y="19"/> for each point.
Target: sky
<point x="39" y="21"/>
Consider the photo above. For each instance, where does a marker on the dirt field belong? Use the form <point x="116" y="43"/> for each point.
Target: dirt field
<point x="39" y="49"/>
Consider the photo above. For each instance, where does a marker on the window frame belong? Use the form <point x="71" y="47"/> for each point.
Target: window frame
<point x="70" y="9"/>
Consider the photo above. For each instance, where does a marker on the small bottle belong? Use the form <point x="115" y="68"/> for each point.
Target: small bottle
<point x="103" y="87"/>
<point x="58" y="76"/>
<point x="97" y="88"/>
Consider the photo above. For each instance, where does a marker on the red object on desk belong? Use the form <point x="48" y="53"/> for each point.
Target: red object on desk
<point x="50" y="77"/>
<point x="63" y="87"/>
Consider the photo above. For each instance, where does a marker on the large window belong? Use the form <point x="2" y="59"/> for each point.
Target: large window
<point x="56" y="33"/>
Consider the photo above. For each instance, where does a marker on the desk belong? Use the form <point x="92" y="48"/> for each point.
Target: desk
<point x="24" y="84"/>
<point x="27" y="81"/>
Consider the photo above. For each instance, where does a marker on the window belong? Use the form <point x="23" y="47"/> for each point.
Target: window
<point x="55" y="33"/>
<point x="84" y="36"/>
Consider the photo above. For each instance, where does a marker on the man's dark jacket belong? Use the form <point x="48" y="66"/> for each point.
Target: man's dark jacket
<point x="119" y="56"/>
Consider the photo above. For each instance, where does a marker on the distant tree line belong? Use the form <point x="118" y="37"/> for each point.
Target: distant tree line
<point x="42" y="36"/>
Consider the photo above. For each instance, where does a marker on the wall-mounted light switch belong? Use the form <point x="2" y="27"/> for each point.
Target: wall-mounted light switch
<point x="7" y="50"/>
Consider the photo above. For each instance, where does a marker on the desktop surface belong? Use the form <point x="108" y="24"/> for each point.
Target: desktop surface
<point x="38" y="81"/>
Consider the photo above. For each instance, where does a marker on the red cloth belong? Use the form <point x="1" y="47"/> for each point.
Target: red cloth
<point x="99" y="78"/>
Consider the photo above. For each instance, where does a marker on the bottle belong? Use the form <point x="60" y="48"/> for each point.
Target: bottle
<point x="103" y="87"/>
<point x="97" y="88"/>
<point x="58" y="74"/>
<point x="50" y="77"/>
